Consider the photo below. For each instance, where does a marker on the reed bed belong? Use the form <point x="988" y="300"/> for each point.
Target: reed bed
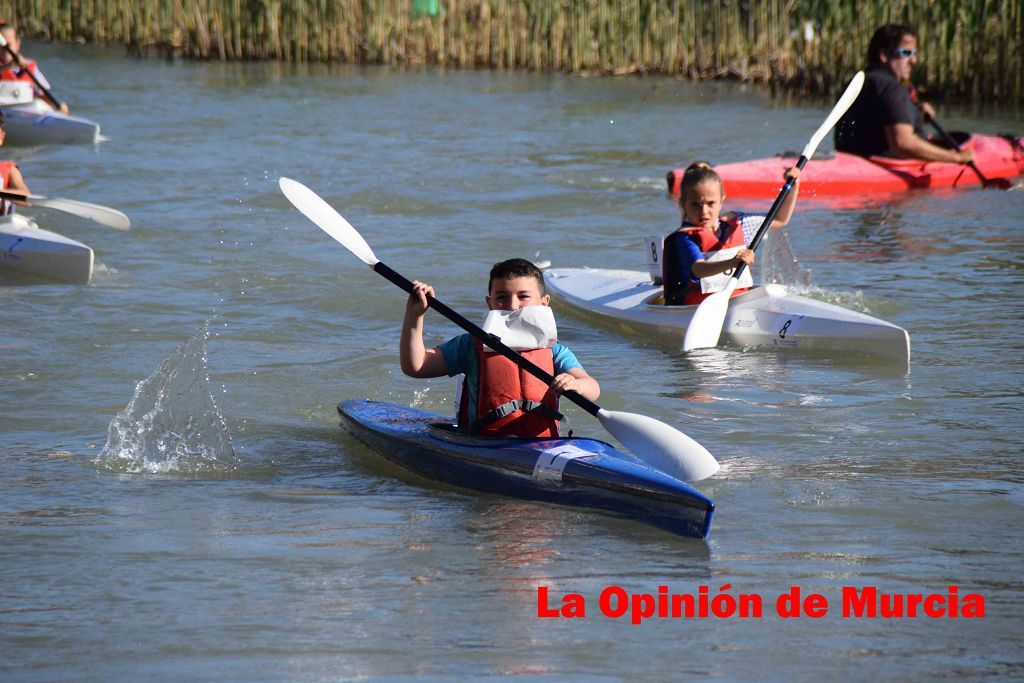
<point x="971" y="49"/>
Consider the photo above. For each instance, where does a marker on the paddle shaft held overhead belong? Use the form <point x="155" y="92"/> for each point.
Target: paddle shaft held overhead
<point x="772" y="212"/>
<point x="851" y="93"/>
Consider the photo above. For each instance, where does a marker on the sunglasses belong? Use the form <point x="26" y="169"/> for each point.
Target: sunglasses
<point x="905" y="52"/>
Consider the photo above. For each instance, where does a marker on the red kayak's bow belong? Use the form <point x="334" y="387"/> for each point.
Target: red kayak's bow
<point x="848" y="174"/>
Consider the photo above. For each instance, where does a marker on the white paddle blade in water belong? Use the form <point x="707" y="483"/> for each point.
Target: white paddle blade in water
<point x="112" y="218"/>
<point x="661" y="446"/>
<point x="327" y="219"/>
<point x="849" y="95"/>
<point x="706" y="324"/>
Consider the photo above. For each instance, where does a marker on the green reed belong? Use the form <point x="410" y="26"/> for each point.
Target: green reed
<point x="971" y="49"/>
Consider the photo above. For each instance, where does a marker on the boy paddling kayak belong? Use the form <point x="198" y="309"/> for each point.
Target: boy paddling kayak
<point x="498" y="399"/>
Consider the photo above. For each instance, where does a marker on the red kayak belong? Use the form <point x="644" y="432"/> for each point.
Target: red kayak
<point x="848" y="174"/>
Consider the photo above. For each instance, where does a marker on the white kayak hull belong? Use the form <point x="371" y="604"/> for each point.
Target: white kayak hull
<point x="36" y="123"/>
<point x="768" y="315"/>
<point x="28" y="250"/>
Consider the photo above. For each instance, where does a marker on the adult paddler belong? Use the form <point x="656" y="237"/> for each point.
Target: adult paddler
<point x="886" y="119"/>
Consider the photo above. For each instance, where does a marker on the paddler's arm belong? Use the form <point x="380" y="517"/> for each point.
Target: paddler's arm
<point x="904" y="142"/>
<point x="62" y="107"/>
<point x="16" y="183"/>
<point x="789" y="203"/>
<point x="579" y="381"/>
<point x="415" y="359"/>
<point x="704" y="268"/>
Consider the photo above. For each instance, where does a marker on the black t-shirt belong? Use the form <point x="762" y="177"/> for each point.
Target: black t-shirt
<point x="884" y="101"/>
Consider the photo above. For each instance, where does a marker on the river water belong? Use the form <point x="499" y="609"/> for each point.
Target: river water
<point x="179" y="503"/>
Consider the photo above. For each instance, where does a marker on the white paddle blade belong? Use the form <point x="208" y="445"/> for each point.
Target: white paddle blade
<point x="849" y="95"/>
<point x="706" y="324"/>
<point x="661" y="446"/>
<point x="327" y="219"/>
<point x="112" y="218"/>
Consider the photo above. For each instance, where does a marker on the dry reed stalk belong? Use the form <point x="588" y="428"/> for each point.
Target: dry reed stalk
<point x="971" y="48"/>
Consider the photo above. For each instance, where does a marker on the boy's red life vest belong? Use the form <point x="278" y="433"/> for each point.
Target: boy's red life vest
<point x="6" y="207"/>
<point x="511" y="401"/>
<point x="24" y="73"/>
<point x="708" y="242"/>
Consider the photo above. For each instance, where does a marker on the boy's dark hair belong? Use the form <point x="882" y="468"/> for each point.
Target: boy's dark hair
<point x="516" y="267"/>
<point x="885" y="41"/>
<point x="695" y="174"/>
<point x="1" y="118"/>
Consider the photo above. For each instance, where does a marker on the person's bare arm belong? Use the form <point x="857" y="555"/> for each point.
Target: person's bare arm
<point x="704" y="268"/>
<point x="908" y="144"/>
<point x="415" y="359"/>
<point x="789" y="203"/>
<point x="579" y="381"/>
<point x="16" y="182"/>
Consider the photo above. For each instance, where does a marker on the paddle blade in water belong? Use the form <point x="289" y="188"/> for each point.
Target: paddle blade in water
<point x="996" y="183"/>
<point x="706" y="324"/>
<point x="327" y="219"/>
<point x="660" y="445"/>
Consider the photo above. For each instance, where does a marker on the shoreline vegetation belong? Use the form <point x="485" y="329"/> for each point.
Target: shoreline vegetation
<point x="972" y="50"/>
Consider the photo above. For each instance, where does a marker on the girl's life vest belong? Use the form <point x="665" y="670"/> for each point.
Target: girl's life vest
<point x="6" y="207"/>
<point x="511" y="401"/>
<point x="714" y="248"/>
<point x="20" y="73"/>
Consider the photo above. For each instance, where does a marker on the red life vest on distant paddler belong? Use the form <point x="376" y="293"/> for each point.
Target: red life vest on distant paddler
<point x="709" y="242"/>
<point x="6" y="207"/>
<point x="511" y="401"/>
<point x="20" y="73"/>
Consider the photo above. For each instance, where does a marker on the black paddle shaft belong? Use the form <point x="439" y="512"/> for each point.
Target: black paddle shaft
<point x="950" y="140"/>
<point x="763" y="230"/>
<point x="492" y="341"/>
<point x="46" y="91"/>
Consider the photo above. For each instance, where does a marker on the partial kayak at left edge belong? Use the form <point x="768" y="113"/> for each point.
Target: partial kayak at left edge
<point x="26" y="250"/>
<point x="572" y="471"/>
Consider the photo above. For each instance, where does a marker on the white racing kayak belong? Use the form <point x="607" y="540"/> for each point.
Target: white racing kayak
<point x="37" y="123"/>
<point x="768" y="315"/>
<point x="28" y="250"/>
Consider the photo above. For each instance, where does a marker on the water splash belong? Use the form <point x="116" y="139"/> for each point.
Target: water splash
<point x="171" y="424"/>
<point x="776" y="263"/>
<point x="779" y="265"/>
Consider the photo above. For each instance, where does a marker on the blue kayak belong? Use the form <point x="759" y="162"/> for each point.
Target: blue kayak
<point x="568" y="471"/>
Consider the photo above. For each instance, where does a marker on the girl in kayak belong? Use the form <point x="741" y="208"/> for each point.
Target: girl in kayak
<point x="497" y="397"/>
<point x="14" y="67"/>
<point x="10" y="176"/>
<point x="699" y="258"/>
